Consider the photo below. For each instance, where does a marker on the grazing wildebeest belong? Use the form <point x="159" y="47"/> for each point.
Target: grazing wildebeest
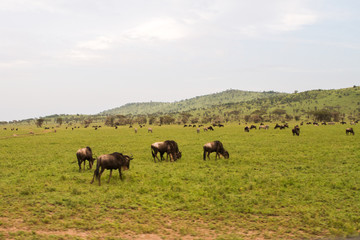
<point x="198" y="130"/>
<point x="217" y="147"/>
<point x="135" y="129"/>
<point x="111" y="161"/>
<point x="296" y="131"/>
<point x="247" y="129"/>
<point x="149" y="130"/>
<point x="210" y="128"/>
<point x="169" y="147"/>
<point x="84" y="154"/>
<point x="266" y="127"/>
<point x="252" y="127"/>
<point x="350" y="130"/>
<point x="279" y="126"/>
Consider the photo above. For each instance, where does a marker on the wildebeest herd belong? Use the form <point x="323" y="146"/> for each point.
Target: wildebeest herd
<point x="121" y="161"/>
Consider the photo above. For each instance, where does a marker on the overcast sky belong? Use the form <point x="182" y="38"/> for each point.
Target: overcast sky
<point x="86" y="56"/>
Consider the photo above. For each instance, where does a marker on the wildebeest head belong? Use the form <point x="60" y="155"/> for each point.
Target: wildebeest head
<point x="126" y="164"/>
<point x="226" y="154"/>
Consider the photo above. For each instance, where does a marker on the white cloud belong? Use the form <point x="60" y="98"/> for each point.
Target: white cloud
<point x="293" y="21"/>
<point x="14" y="64"/>
<point x="100" y="43"/>
<point x="158" y="29"/>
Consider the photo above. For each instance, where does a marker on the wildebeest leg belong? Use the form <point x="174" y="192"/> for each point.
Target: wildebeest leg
<point x="158" y="157"/>
<point x="120" y="173"/>
<point x="171" y="157"/>
<point x="154" y="154"/>
<point x="93" y="177"/>
<point x="110" y="175"/>
<point x="102" y="170"/>
<point x="208" y="155"/>
<point x="79" y="162"/>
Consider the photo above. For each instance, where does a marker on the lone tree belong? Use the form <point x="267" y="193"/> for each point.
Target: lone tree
<point x="59" y="121"/>
<point x="39" y="122"/>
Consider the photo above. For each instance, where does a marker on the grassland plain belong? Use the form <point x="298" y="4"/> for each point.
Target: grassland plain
<point x="273" y="186"/>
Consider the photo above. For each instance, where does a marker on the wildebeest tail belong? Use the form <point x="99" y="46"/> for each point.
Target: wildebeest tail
<point x="97" y="170"/>
<point x="152" y="152"/>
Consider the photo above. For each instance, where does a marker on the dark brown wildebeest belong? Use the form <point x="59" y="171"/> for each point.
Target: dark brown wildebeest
<point x="350" y="131"/>
<point x="111" y="161"/>
<point x="279" y="126"/>
<point x="84" y="154"/>
<point x="169" y="147"/>
<point x="252" y="127"/>
<point x="296" y="131"/>
<point x="210" y="128"/>
<point x="217" y="147"/>
<point x="247" y="129"/>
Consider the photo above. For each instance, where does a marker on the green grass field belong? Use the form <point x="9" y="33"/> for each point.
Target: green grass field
<point x="273" y="186"/>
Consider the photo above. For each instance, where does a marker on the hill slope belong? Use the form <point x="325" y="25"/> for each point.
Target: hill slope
<point x="206" y="101"/>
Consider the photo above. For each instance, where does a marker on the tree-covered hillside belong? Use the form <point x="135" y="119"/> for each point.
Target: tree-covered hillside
<point x="225" y="97"/>
<point x="228" y="106"/>
<point x="340" y="104"/>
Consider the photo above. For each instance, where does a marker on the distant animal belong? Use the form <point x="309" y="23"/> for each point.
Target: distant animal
<point x="84" y="154"/>
<point x="217" y="147"/>
<point x="169" y="147"/>
<point x="247" y="129"/>
<point x="331" y="123"/>
<point x="350" y="131"/>
<point x="266" y="127"/>
<point x="279" y="126"/>
<point x="135" y="129"/>
<point x="252" y="127"/>
<point x="221" y="125"/>
<point x="149" y="130"/>
<point x="198" y="130"/>
<point x="210" y="128"/>
<point x="111" y="161"/>
<point x="296" y="131"/>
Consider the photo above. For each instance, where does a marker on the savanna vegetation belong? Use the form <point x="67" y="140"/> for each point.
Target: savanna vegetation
<point x="273" y="186"/>
<point x="224" y="107"/>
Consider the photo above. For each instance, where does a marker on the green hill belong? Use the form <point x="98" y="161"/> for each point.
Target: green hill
<point x="232" y="105"/>
<point x="200" y="102"/>
<point x="340" y="102"/>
